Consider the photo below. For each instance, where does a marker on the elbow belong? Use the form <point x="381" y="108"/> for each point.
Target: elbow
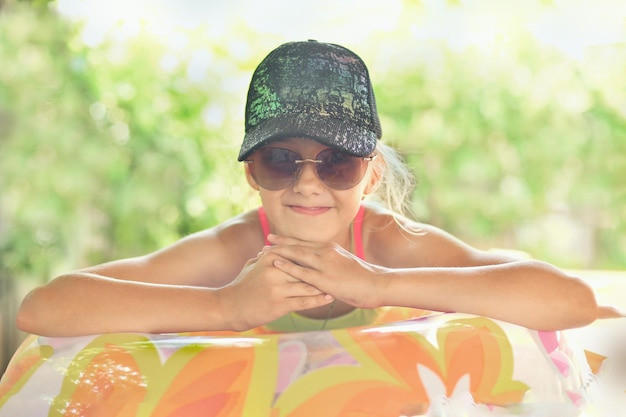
<point x="24" y="321"/>
<point x="583" y="306"/>
<point x="30" y="317"/>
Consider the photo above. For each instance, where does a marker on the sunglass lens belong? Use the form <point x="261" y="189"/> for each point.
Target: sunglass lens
<point x="275" y="168"/>
<point x="278" y="168"/>
<point x="339" y="170"/>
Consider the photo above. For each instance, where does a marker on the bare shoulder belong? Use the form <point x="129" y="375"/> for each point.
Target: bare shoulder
<point x="239" y="238"/>
<point x="399" y="242"/>
<point x="221" y="251"/>
<point x="212" y="257"/>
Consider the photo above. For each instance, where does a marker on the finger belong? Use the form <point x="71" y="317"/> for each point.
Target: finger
<point x="302" y="289"/>
<point x="267" y="259"/>
<point x="307" y="302"/>
<point x="296" y="271"/>
<point x="298" y="254"/>
<point x="609" y="312"/>
<point x="292" y="279"/>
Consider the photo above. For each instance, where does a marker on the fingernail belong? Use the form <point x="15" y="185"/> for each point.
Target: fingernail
<point x="266" y="248"/>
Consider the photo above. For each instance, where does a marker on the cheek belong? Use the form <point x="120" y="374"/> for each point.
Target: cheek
<point x="372" y="177"/>
<point x="251" y="180"/>
<point x="269" y="199"/>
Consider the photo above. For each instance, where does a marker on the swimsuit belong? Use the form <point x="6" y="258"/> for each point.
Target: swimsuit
<point x="356" y="317"/>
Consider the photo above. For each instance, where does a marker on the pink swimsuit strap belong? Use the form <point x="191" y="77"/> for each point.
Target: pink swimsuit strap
<point x="357" y="230"/>
<point x="357" y="233"/>
<point x="265" y="224"/>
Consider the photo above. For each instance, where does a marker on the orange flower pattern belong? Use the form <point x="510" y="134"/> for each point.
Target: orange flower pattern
<point x="413" y="367"/>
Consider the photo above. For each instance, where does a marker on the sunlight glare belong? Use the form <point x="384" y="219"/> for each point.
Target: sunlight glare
<point x="571" y="26"/>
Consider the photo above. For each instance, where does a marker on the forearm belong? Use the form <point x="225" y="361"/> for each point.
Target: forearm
<point x="529" y="293"/>
<point x="85" y="304"/>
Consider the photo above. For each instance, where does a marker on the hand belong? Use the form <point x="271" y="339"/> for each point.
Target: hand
<point x="262" y="293"/>
<point x="610" y="312"/>
<point x="330" y="268"/>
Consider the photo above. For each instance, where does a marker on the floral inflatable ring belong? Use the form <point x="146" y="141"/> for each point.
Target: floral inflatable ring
<point x="441" y="364"/>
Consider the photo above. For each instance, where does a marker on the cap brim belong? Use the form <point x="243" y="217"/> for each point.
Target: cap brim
<point x="340" y="134"/>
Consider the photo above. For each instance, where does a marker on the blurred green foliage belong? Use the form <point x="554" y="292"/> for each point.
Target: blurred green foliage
<point x="119" y="149"/>
<point x="525" y="151"/>
<point x="103" y="153"/>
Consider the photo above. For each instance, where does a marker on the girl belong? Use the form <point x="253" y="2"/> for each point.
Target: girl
<point x="315" y="255"/>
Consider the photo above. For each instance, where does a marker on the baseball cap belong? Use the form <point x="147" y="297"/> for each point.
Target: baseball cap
<point x="315" y="90"/>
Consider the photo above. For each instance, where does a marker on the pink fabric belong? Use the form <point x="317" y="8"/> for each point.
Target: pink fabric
<point x="357" y="230"/>
<point x="265" y="225"/>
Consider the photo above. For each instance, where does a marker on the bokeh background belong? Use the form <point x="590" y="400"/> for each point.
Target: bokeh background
<point x="120" y="122"/>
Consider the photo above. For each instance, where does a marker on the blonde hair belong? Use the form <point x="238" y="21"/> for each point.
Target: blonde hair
<point x="396" y="181"/>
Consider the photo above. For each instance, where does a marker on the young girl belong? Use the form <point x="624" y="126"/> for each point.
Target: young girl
<point x="316" y="255"/>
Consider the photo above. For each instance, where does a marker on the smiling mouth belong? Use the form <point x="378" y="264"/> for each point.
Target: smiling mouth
<point x="309" y="210"/>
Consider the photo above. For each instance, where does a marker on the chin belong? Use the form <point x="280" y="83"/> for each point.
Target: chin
<point x="312" y="237"/>
<point x="311" y="234"/>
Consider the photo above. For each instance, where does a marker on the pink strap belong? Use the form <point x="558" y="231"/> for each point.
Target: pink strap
<point x="265" y="225"/>
<point x="357" y="226"/>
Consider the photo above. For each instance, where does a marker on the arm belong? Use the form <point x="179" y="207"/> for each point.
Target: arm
<point x="82" y="303"/>
<point x="202" y="282"/>
<point x="530" y="293"/>
<point x="434" y="271"/>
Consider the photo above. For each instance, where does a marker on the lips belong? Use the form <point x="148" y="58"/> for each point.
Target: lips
<point x="309" y="211"/>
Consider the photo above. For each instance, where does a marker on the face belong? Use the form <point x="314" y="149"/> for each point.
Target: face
<point x="308" y="209"/>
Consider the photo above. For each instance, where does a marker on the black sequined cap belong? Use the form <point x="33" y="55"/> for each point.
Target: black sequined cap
<point x="315" y="90"/>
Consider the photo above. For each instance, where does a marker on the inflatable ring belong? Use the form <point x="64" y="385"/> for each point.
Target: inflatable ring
<point x="442" y="364"/>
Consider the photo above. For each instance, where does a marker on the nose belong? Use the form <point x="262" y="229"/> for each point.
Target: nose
<point x="308" y="182"/>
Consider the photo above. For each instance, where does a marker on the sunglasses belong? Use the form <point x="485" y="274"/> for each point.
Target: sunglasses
<point x="278" y="168"/>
